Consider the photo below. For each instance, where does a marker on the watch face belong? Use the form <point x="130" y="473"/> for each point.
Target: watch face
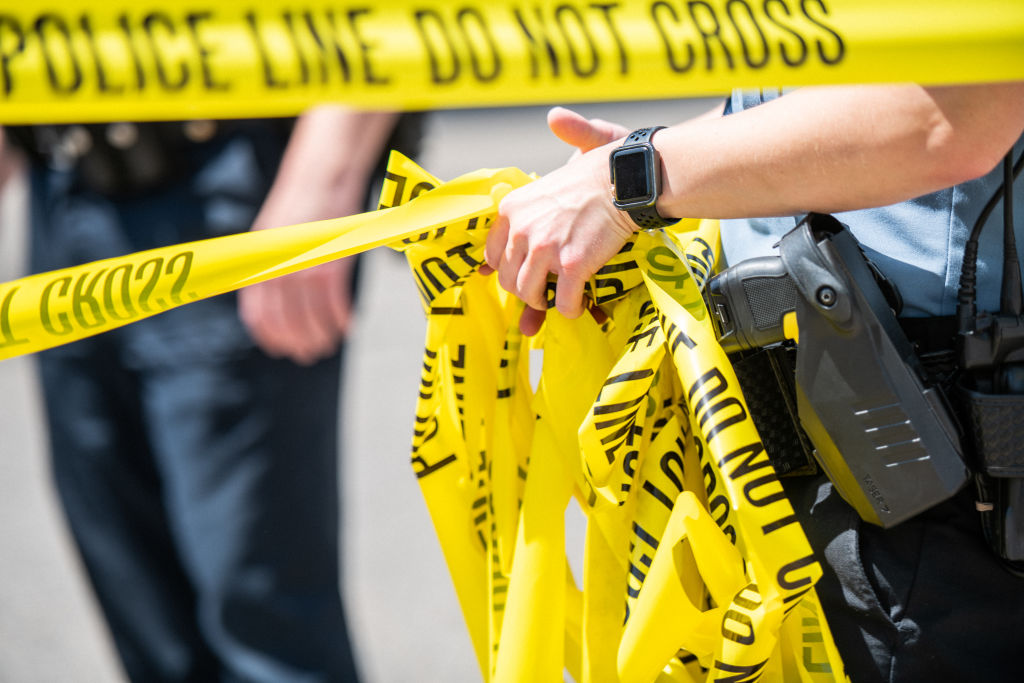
<point x="632" y="180"/>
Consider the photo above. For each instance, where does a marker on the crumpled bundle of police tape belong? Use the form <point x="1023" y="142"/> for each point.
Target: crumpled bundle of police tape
<point x="695" y="567"/>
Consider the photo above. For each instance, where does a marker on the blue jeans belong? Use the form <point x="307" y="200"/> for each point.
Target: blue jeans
<point x="199" y="476"/>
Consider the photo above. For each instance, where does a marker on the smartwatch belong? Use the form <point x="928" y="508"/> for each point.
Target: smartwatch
<point x="636" y="179"/>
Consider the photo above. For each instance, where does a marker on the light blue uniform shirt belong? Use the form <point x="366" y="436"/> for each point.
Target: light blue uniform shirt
<point x="918" y="244"/>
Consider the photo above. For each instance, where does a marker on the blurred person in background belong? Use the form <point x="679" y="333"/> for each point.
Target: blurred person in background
<point x="195" y="453"/>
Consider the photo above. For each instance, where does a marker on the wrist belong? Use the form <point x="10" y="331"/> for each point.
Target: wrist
<point x="622" y="222"/>
<point x="617" y="221"/>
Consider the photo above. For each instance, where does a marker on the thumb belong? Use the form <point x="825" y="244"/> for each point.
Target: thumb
<point x="582" y="133"/>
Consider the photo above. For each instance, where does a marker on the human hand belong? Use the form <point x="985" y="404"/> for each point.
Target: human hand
<point x="303" y="316"/>
<point x="324" y="173"/>
<point x="563" y="223"/>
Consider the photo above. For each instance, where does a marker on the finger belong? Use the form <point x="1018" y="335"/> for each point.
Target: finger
<point x="285" y="329"/>
<point x="532" y="280"/>
<point x="339" y="307"/>
<point x="260" y="308"/>
<point x="485" y="269"/>
<point x="250" y="305"/>
<point x="580" y="132"/>
<point x="312" y="335"/>
<point x="284" y="324"/>
<point x="508" y="266"/>
<point x="531" y="321"/>
<point x="496" y="241"/>
<point x="569" y="296"/>
<point x="338" y="296"/>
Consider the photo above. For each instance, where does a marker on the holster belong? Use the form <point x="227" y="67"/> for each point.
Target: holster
<point x="880" y="431"/>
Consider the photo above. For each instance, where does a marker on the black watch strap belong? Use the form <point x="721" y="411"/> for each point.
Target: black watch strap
<point x="649" y="218"/>
<point x="641" y="135"/>
<point x="646" y="218"/>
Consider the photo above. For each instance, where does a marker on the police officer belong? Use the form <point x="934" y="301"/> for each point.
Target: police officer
<point x="911" y="168"/>
<point x="195" y="452"/>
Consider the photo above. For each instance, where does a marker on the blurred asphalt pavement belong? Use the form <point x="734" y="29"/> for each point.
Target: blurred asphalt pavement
<point x="402" y="609"/>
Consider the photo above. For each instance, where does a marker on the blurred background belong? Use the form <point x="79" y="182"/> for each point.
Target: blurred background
<point x="403" y="614"/>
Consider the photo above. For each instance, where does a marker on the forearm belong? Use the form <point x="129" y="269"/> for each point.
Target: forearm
<point x="834" y="149"/>
<point x="330" y="156"/>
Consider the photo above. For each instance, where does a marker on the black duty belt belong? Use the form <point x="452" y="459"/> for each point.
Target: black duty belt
<point x="124" y="159"/>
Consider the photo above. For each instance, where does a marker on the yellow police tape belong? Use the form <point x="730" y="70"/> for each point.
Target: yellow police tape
<point x="695" y="566"/>
<point x="49" y="309"/>
<point x="78" y="60"/>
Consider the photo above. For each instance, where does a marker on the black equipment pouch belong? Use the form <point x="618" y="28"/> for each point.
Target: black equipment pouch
<point x="886" y="438"/>
<point x="997" y="429"/>
<point x="992" y="385"/>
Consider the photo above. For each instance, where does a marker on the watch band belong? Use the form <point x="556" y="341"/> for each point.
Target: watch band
<point x="646" y="218"/>
<point x="649" y="218"/>
<point x="641" y="135"/>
